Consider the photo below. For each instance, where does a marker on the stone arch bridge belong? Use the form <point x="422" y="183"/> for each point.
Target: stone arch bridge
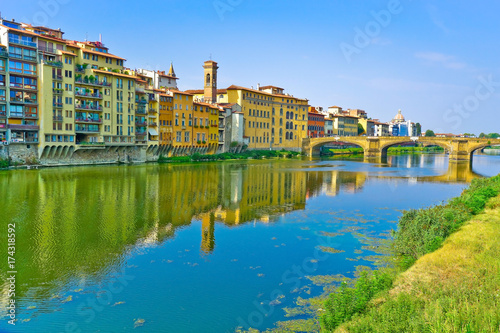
<point x="459" y="149"/>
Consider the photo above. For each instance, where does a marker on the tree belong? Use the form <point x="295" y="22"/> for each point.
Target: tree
<point x="361" y="129"/>
<point x="419" y="129"/>
<point x="429" y="133"/>
<point x="482" y="135"/>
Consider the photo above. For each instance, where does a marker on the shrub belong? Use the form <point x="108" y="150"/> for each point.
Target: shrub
<point x="4" y="163"/>
<point x="347" y="301"/>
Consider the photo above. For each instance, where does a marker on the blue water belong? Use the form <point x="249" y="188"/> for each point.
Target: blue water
<point x="203" y="266"/>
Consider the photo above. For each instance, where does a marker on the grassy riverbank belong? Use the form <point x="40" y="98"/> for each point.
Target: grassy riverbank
<point x="446" y="277"/>
<point x="442" y="274"/>
<point x="249" y="154"/>
<point x="391" y="150"/>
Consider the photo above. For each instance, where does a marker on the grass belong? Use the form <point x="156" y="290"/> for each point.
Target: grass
<point x="454" y="289"/>
<point x="454" y="282"/>
<point x="249" y="154"/>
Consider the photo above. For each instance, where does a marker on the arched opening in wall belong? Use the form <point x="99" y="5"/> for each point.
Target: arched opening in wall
<point x="339" y="149"/>
<point x="487" y="149"/>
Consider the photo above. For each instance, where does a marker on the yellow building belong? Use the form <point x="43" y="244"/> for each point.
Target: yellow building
<point x="273" y="119"/>
<point x="344" y="125"/>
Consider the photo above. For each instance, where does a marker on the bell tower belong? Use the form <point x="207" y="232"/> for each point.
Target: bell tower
<point x="210" y="83"/>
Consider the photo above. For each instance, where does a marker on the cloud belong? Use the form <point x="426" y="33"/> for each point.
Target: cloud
<point x="436" y="18"/>
<point x="446" y="61"/>
<point x="381" y="41"/>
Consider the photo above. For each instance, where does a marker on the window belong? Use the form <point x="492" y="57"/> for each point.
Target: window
<point x="68" y="73"/>
<point x="178" y="136"/>
<point x="186" y="136"/>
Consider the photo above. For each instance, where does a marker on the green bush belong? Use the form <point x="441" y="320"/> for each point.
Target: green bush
<point x="4" y="164"/>
<point x="423" y="231"/>
<point x="348" y="301"/>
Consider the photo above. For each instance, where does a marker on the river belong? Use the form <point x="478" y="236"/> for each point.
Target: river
<point x="201" y="247"/>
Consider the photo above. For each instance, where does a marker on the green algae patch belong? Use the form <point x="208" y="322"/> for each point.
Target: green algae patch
<point x="330" y="249"/>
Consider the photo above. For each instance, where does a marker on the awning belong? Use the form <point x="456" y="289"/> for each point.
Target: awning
<point x="152" y="131"/>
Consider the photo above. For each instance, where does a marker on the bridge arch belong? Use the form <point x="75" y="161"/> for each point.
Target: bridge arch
<point x="443" y="144"/>
<point x="317" y="143"/>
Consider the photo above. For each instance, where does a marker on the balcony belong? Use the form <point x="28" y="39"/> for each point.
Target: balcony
<point x="88" y="94"/>
<point x="23" y="127"/>
<point x="4" y="54"/>
<point x="21" y="42"/>
<point x="23" y="86"/>
<point x="47" y="49"/>
<point x="153" y="124"/>
<point x="57" y="119"/>
<point x="24" y="100"/>
<point x="87" y="128"/>
<point x="141" y="110"/>
<point x="152" y="99"/>
<point x="3" y="114"/>
<point x="57" y="77"/>
<point x="141" y="101"/>
<point x="92" y="82"/>
<point x="57" y="64"/>
<point x="152" y="110"/>
<point x="141" y="123"/>
<point x="88" y="120"/>
<point x="88" y="107"/>
<point x="57" y="91"/>
<point x="57" y="104"/>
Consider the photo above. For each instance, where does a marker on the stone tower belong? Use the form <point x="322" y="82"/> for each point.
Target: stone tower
<point x="210" y="81"/>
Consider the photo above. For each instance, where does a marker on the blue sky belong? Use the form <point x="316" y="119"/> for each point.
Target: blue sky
<point x="437" y="61"/>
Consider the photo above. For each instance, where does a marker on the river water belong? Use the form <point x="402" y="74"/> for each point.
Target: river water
<point x="201" y="247"/>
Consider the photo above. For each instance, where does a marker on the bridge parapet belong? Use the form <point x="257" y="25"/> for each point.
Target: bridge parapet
<point x="459" y="149"/>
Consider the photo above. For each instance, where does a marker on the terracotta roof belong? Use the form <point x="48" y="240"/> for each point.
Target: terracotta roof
<point x="180" y="92"/>
<point x="116" y="74"/>
<point x="1" y="45"/>
<point x="206" y="104"/>
<point x="68" y="53"/>
<point x="34" y="34"/>
<point x="109" y="55"/>
<point x="337" y="107"/>
<point x="266" y="87"/>
<point x="201" y="91"/>
<point x="234" y="87"/>
<point x="227" y="105"/>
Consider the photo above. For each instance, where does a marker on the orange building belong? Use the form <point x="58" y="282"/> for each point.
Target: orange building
<point x="315" y="123"/>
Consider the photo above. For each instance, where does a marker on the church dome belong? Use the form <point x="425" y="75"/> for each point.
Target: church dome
<point x="399" y="117"/>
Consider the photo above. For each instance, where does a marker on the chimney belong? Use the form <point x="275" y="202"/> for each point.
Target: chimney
<point x="258" y="86"/>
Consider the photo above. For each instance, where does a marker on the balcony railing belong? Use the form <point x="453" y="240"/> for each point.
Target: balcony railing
<point x="57" y="91"/>
<point x="87" y="128"/>
<point x="93" y="83"/>
<point x="24" y="127"/>
<point x="141" y="101"/>
<point x="57" y="77"/>
<point x="141" y="111"/>
<point x="88" y="107"/>
<point x="46" y="49"/>
<point x="88" y="120"/>
<point x="3" y="114"/>
<point x="153" y="124"/>
<point x="88" y="94"/>
<point x="23" y="86"/>
<point x="57" y="104"/>
<point x="23" y="100"/>
<point x="31" y="115"/>
<point x="4" y="54"/>
<point x="141" y="123"/>
<point x="57" y="64"/>
<point x="21" y="42"/>
<point x="57" y="118"/>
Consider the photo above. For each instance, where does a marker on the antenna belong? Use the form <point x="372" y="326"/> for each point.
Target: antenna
<point x="86" y="36"/>
<point x="100" y="38"/>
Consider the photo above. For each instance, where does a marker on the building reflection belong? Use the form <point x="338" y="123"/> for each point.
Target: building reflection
<point x="81" y="221"/>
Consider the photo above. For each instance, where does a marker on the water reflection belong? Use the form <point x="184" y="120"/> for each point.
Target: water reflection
<point x="79" y="222"/>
